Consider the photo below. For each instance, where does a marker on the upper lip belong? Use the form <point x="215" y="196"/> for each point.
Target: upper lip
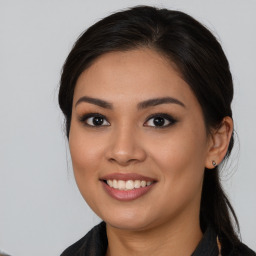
<point x="126" y="176"/>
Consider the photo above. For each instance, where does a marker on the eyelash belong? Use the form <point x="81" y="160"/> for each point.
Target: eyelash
<point x="169" y="118"/>
<point x="85" y="118"/>
<point x="165" y="116"/>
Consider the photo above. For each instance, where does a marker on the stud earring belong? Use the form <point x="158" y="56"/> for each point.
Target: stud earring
<point x="214" y="163"/>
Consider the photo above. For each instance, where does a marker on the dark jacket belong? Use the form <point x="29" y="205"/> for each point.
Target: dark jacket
<point x="95" y="243"/>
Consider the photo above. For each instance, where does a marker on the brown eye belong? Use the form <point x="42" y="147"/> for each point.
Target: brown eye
<point x="160" y="121"/>
<point x="94" y="120"/>
<point x="97" y="121"/>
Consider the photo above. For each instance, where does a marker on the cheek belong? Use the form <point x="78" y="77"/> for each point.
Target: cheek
<point x="84" y="147"/>
<point x="85" y="152"/>
<point x="181" y="158"/>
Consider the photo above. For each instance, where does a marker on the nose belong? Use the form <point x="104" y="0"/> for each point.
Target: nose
<point x="125" y="147"/>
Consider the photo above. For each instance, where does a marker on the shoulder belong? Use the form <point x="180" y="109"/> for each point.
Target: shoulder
<point x="93" y="243"/>
<point x="240" y="250"/>
<point x="243" y="250"/>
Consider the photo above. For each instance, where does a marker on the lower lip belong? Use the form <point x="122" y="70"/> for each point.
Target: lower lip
<point x="126" y="195"/>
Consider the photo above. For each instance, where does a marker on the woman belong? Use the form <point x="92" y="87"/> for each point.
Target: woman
<point x="146" y="94"/>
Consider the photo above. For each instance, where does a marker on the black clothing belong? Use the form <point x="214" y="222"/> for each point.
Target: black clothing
<point x="95" y="243"/>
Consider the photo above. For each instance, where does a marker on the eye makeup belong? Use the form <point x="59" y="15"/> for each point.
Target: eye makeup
<point x="94" y="120"/>
<point x="156" y="120"/>
<point x="160" y="120"/>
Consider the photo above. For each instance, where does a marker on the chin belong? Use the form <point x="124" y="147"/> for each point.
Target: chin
<point x="128" y="221"/>
<point x="125" y="225"/>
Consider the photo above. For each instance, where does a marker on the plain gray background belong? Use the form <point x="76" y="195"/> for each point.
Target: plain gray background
<point x="41" y="210"/>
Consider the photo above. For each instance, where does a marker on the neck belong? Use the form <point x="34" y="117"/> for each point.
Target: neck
<point x="169" y="239"/>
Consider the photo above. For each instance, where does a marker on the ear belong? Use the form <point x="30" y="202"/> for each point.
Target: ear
<point x="218" y="143"/>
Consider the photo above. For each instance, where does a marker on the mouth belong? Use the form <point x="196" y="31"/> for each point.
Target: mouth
<point x="126" y="187"/>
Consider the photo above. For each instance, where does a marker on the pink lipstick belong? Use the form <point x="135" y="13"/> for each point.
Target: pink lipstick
<point x="126" y="187"/>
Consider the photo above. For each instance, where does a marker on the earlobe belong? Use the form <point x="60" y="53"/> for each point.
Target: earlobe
<point x="219" y="142"/>
<point x="214" y="164"/>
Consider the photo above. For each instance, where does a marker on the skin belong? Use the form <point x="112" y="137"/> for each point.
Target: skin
<point x="166" y="218"/>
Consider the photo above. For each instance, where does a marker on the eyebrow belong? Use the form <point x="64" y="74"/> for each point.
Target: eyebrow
<point x="141" y="105"/>
<point x="158" y="101"/>
<point x="98" y="102"/>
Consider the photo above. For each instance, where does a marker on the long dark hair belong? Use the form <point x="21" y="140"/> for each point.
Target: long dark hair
<point x="202" y="64"/>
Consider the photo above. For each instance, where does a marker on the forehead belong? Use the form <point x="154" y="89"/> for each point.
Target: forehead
<point x="133" y="75"/>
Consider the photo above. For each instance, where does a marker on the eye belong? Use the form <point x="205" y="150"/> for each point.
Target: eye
<point x="160" y="121"/>
<point x="94" y="120"/>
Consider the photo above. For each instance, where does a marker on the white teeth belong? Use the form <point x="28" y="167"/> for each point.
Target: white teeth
<point x="143" y="183"/>
<point x="136" y="183"/>
<point x="115" y="184"/>
<point x="110" y="183"/>
<point x="128" y="185"/>
<point x="121" y="184"/>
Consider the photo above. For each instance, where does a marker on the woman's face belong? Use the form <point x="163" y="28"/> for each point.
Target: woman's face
<point x="137" y="126"/>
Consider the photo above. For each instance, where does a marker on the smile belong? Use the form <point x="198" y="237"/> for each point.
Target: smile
<point x="129" y="184"/>
<point x="126" y="187"/>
